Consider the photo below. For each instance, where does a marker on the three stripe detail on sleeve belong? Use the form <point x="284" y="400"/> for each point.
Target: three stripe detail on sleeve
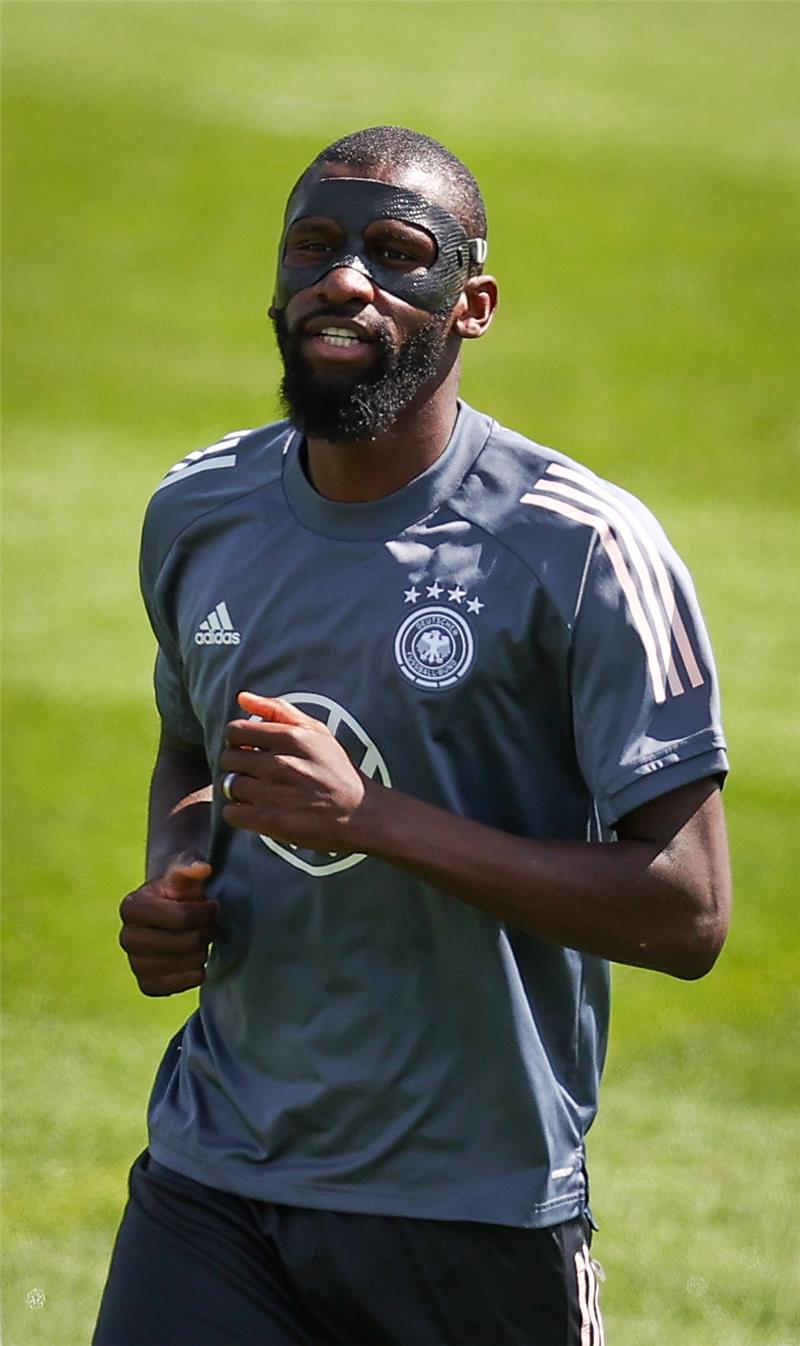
<point x="638" y="567"/>
<point x="205" y="460"/>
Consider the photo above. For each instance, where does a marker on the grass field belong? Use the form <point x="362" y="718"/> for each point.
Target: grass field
<point x="639" y="163"/>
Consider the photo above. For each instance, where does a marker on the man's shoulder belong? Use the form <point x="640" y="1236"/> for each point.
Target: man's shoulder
<point x="230" y="464"/>
<point x="514" y="475"/>
<point x="550" y="509"/>
<point x="209" y="478"/>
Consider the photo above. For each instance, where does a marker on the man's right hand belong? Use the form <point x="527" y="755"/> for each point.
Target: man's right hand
<point x="167" y="926"/>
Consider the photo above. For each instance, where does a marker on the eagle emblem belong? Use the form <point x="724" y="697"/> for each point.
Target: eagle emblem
<point x="434" y="648"/>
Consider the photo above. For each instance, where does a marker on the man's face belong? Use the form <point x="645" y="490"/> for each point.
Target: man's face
<point x="355" y="353"/>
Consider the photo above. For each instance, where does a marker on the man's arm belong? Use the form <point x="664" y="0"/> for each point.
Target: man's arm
<point x="657" y="898"/>
<point x="167" y="923"/>
<point x="179" y="817"/>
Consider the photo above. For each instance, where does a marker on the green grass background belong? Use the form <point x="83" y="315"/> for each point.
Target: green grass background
<point x="639" y="163"/>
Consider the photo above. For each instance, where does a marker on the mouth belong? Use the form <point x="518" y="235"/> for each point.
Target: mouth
<point x="342" y="337"/>
<point x="340" y="341"/>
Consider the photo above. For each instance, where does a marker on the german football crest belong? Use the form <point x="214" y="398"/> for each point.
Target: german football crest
<point x="434" y="646"/>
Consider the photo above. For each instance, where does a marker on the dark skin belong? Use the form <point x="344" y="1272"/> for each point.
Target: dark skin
<point x="659" y="898"/>
<point x="372" y="469"/>
<point x="168" y="923"/>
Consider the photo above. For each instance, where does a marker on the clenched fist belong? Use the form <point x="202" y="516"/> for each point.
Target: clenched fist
<point x="167" y="927"/>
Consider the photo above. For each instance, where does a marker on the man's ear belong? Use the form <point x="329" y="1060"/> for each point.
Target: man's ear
<point x="476" y="307"/>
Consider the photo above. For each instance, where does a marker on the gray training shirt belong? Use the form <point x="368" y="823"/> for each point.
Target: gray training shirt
<point x="508" y="637"/>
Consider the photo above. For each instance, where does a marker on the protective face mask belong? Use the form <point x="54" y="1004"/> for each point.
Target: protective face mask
<point x="355" y="203"/>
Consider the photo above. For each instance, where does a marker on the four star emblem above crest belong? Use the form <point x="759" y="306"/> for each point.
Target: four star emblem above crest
<point x="435" y="645"/>
<point x="455" y="595"/>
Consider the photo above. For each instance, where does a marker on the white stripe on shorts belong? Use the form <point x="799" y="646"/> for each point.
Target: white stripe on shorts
<point x="592" y="1333"/>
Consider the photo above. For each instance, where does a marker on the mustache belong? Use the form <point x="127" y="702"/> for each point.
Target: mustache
<point x="364" y="405"/>
<point x="334" y="317"/>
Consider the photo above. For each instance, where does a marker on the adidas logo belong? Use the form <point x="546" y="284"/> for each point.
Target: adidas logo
<point x="217" y="629"/>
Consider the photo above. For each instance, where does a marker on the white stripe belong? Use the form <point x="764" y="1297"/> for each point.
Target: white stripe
<point x="229" y="442"/>
<point x="333" y="721"/>
<point x="662" y="575"/>
<point x="623" y="576"/>
<point x="624" y="533"/>
<point x="214" y="622"/>
<point x="205" y="466"/>
<point x="601" y="1339"/>
<point x="224" y="616"/>
<point x="369" y="761"/>
<point x="594" y="830"/>
<point x="586" y="1322"/>
<point x="204" y="626"/>
<point x="592" y="1331"/>
<point x="594" y="1311"/>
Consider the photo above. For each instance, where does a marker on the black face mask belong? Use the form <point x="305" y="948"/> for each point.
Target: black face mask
<point x="355" y="203"/>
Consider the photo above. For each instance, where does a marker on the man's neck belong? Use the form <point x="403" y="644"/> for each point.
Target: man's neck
<point x="370" y="469"/>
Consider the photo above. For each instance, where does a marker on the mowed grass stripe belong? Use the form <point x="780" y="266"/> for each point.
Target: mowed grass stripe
<point x="635" y="79"/>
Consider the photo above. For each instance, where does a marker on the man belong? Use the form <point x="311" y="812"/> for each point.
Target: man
<point x="416" y="675"/>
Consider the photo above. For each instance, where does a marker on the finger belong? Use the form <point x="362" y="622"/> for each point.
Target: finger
<point x="241" y="788"/>
<point x="170" y="983"/>
<point x="153" y="965"/>
<point x="291" y="740"/>
<point x="241" y="762"/>
<point x="143" y="940"/>
<point x="184" y="878"/>
<point x="148" y="907"/>
<point x="272" y="709"/>
<point x="247" y="816"/>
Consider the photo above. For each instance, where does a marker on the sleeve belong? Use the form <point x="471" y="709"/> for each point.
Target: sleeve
<point x="645" y="700"/>
<point x="171" y="694"/>
<point x="172" y="700"/>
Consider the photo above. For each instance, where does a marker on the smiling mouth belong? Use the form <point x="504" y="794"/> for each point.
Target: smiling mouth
<point x="342" y="337"/>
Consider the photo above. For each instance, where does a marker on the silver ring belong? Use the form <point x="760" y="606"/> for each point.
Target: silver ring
<point x="227" y="784"/>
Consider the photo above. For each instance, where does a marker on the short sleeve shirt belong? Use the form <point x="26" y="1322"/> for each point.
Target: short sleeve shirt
<point x="508" y="637"/>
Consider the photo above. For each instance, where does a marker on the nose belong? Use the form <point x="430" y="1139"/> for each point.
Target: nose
<point x="344" y="283"/>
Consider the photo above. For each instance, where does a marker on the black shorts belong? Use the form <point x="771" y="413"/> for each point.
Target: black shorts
<point x="194" y="1266"/>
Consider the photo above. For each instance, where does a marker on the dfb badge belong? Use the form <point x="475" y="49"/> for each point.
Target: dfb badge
<point x="434" y="648"/>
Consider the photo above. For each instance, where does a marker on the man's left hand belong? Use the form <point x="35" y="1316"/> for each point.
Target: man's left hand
<point x="292" y="780"/>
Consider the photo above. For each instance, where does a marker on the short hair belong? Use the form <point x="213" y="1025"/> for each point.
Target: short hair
<point x="396" y="146"/>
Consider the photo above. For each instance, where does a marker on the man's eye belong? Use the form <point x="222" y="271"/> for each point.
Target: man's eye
<point x="313" y="246"/>
<point x="388" y="253"/>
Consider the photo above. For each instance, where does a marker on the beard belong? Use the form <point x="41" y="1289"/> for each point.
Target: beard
<point x="342" y="409"/>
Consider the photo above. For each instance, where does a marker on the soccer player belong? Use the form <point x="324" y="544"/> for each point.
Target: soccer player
<point x="440" y="739"/>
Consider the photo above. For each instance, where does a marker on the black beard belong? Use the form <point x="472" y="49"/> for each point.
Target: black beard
<point x="342" y="412"/>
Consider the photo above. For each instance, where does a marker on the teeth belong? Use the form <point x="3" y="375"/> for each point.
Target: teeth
<point x="339" y="336"/>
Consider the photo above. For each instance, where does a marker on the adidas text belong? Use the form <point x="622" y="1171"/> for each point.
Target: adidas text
<point x="216" y="638"/>
<point x="217" y="629"/>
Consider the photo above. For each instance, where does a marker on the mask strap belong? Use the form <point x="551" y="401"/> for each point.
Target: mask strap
<point x="478" y="250"/>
